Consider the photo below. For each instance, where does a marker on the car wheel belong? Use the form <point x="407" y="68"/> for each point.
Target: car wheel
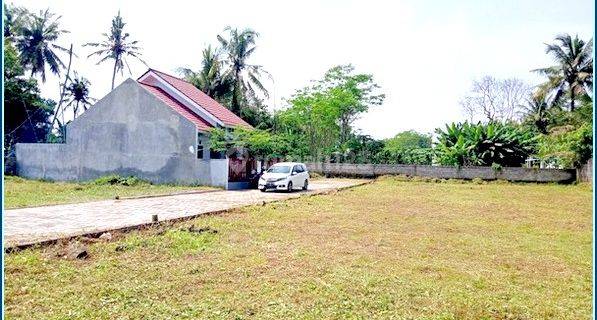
<point x="306" y="185"/>
<point x="262" y="190"/>
<point x="289" y="186"/>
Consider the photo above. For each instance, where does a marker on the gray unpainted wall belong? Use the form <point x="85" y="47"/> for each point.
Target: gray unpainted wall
<point x="585" y="173"/>
<point x="446" y="172"/>
<point x="128" y="132"/>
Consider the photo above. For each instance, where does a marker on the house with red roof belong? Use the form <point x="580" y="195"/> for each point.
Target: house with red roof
<point x="156" y="128"/>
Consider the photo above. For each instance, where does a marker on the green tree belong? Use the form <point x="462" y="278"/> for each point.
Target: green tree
<point x="537" y="113"/>
<point x="36" y="43"/>
<point x="573" y="73"/>
<point x="567" y="146"/>
<point x="245" y="78"/>
<point x="259" y="143"/>
<point x="209" y="78"/>
<point x="312" y="117"/>
<point x="116" y="46"/>
<point x="408" y="147"/>
<point x="26" y="117"/>
<point x="353" y="95"/>
<point x="362" y="148"/>
<point x="77" y="94"/>
<point x="257" y="115"/>
<point x="507" y="145"/>
<point x="409" y="140"/>
<point x="569" y="138"/>
<point x="322" y="114"/>
<point x="14" y="20"/>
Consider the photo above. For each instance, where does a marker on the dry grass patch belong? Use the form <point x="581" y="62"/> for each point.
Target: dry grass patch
<point x="391" y="249"/>
<point x="20" y="193"/>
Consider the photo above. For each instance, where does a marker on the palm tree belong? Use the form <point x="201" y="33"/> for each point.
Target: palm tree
<point x="14" y="19"/>
<point x="573" y="73"/>
<point x="77" y="94"/>
<point x="35" y="44"/>
<point x="209" y="79"/>
<point x="116" y="46"/>
<point x="536" y="112"/>
<point x="244" y="77"/>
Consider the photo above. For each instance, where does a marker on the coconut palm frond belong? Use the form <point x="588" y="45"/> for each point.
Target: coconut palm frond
<point x="117" y="47"/>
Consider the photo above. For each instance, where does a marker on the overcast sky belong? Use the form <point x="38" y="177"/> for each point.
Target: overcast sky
<point x="424" y="54"/>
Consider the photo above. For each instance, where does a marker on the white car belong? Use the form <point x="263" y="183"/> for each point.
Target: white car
<point x="285" y="176"/>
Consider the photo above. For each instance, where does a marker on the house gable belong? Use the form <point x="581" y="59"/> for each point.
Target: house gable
<point x="131" y="104"/>
<point x="199" y="102"/>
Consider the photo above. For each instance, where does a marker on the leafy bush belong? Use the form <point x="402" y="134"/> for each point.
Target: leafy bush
<point x="567" y="146"/>
<point x="118" y="180"/>
<point x="506" y="145"/>
<point x="407" y="147"/>
<point x="496" y="167"/>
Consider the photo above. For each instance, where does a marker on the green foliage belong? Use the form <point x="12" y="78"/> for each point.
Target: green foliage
<point x="26" y="117"/>
<point x="569" y="139"/>
<point x="209" y="78"/>
<point x="408" y="147"/>
<point x="35" y="40"/>
<point x="227" y="76"/>
<point x="572" y="76"/>
<point x="321" y="115"/>
<point x="507" y="145"/>
<point x="312" y="115"/>
<point x="568" y="146"/>
<point x="350" y="94"/>
<point x="408" y="140"/>
<point x="538" y="114"/>
<point x="258" y="143"/>
<point x="244" y="78"/>
<point x="361" y="149"/>
<point x="15" y="19"/>
<point x="77" y="94"/>
<point x="257" y="115"/>
<point x="118" y="180"/>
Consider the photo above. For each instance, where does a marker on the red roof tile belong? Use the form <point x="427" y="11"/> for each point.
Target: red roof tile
<point x="178" y="107"/>
<point x="206" y="102"/>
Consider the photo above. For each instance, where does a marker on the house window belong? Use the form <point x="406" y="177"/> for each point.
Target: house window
<point x="199" y="149"/>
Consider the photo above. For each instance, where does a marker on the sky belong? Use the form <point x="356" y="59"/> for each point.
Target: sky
<point x="423" y="54"/>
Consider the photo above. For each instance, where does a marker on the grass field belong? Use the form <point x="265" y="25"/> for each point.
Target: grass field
<point x="21" y="193"/>
<point x="391" y="249"/>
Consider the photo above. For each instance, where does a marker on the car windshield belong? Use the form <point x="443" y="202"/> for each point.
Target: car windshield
<point x="279" y="169"/>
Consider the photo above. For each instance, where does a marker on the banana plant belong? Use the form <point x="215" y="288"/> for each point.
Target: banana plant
<point x="484" y="144"/>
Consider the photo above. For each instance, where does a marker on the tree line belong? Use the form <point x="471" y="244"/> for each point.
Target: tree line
<point x="508" y="121"/>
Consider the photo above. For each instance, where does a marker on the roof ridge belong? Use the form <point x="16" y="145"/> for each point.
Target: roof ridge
<point x="211" y="106"/>
<point x="169" y="75"/>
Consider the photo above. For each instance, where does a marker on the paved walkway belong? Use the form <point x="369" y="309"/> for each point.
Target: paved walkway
<point x="34" y="225"/>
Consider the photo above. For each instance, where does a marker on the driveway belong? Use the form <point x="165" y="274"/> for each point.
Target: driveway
<point x="33" y="225"/>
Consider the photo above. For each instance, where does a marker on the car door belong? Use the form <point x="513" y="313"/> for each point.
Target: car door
<point x="297" y="179"/>
<point x="304" y="174"/>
